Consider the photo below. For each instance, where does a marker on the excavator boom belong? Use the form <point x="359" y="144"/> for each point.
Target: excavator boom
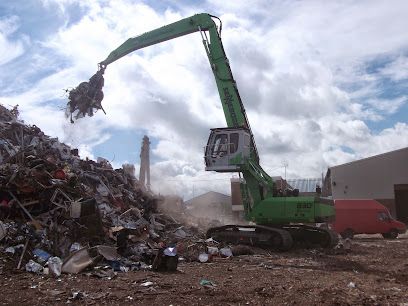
<point x="230" y="149"/>
<point x="234" y="110"/>
<point x="167" y="32"/>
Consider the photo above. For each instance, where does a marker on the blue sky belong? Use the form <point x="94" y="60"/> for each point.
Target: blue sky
<point x="323" y="83"/>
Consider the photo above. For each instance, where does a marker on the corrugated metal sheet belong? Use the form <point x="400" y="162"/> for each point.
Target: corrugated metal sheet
<point x="305" y="185"/>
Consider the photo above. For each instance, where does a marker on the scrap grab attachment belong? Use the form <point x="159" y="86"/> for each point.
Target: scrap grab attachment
<point x="86" y="98"/>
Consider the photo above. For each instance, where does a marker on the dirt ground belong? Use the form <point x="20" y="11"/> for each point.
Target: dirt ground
<point x="374" y="272"/>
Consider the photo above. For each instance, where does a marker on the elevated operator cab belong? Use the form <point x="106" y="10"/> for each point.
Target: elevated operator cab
<point x="227" y="149"/>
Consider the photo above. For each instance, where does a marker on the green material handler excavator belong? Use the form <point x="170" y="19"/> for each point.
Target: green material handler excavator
<point x="281" y="219"/>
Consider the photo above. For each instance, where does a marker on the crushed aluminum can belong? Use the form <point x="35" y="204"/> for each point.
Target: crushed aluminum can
<point x="75" y="247"/>
<point x="10" y="250"/>
<point x="226" y="252"/>
<point x="204" y="257"/>
<point x="213" y="250"/>
<point x="180" y="233"/>
<point x="55" y="265"/>
<point x="41" y="255"/>
<point x="33" y="266"/>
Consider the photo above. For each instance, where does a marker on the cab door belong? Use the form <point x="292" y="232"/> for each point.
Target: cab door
<point x="217" y="152"/>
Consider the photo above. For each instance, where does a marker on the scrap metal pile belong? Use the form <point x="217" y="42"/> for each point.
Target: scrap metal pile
<point x="62" y="213"/>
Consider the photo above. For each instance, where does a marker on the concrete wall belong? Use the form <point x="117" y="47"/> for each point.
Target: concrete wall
<point x="236" y="197"/>
<point x="370" y="178"/>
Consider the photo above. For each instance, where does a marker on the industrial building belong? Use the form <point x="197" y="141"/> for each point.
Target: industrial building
<point x="382" y="177"/>
<point x="211" y="205"/>
<point x="306" y="186"/>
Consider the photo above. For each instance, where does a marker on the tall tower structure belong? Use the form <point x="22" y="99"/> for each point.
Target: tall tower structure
<point x="144" y="174"/>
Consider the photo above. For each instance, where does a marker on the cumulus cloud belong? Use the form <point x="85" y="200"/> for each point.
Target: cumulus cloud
<point x="397" y="70"/>
<point x="311" y="75"/>
<point x="10" y="48"/>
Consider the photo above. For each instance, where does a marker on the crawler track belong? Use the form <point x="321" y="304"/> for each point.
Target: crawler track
<point x="281" y="238"/>
<point x="311" y="236"/>
<point x="257" y="235"/>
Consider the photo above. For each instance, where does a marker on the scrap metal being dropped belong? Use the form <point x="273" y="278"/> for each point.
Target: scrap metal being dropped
<point x="280" y="215"/>
<point x="86" y="98"/>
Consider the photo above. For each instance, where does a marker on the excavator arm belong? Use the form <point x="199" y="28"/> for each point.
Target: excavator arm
<point x="182" y="27"/>
<point x="230" y="149"/>
<point x="234" y="110"/>
<point x="88" y="95"/>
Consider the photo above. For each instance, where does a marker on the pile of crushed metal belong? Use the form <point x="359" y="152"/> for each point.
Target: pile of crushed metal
<point x="61" y="214"/>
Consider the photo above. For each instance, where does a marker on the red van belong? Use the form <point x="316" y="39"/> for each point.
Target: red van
<point x="365" y="217"/>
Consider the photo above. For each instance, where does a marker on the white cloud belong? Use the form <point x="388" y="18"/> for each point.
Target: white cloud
<point x="387" y="140"/>
<point x="60" y="6"/>
<point x="10" y="48"/>
<point x="388" y="106"/>
<point x="302" y="69"/>
<point x="397" y="70"/>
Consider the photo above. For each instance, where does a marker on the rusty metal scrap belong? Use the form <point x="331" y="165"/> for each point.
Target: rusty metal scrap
<point x="55" y="200"/>
<point x="86" y="98"/>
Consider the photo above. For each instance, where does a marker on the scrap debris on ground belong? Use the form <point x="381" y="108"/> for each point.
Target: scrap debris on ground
<point x="373" y="272"/>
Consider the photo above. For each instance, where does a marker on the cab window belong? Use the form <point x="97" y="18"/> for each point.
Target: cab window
<point x="234" y="137"/>
<point x="220" y="145"/>
<point x="246" y="140"/>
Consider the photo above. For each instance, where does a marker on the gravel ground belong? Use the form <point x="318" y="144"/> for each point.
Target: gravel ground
<point x="373" y="272"/>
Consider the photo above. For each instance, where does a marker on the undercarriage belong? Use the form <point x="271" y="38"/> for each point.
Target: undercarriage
<point x="279" y="237"/>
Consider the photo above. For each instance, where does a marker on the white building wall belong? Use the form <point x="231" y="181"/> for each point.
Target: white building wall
<point x="370" y="178"/>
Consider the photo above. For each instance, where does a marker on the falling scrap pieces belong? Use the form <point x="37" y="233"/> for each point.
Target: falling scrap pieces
<point x="54" y="204"/>
<point x="86" y="98"/>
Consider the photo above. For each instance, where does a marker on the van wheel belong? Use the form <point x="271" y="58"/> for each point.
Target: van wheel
<point x="392" y="234"/>
<point x="348" y="233"/>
